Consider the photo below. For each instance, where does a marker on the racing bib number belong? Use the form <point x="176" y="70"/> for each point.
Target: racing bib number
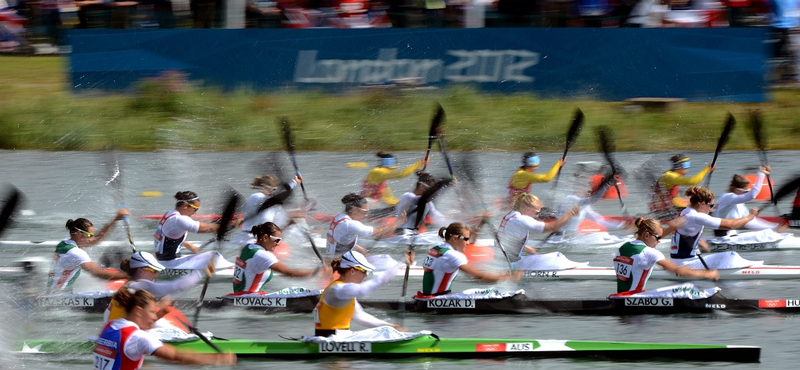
<point x="428" y="263"/>
<point x="102" y="361"/>
<point x="238" y="274"/>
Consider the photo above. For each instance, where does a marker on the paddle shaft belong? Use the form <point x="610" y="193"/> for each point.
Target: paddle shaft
<point x="572" y="134"/>
<point x="723" y="138"/>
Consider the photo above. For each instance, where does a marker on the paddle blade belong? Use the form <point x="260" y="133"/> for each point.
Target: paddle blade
<point x="276" y="199"/>
<point x="287" y="134"/>
<point x="574" y="129"/>
<point x="723" y="138"/>
<point x="436" y="123"/>
<point x="10" y="205"/>
<point x="756" y="129"/>
<point x="227" y="213"/>
<point x="788" y="188"/>
<point x="426" y="197"/>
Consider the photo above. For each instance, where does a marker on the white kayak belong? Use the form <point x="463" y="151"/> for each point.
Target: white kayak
<point x="764" y="240"/>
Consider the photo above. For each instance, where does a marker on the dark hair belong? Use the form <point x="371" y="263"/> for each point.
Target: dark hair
<point x="353" y="200"/>
<point x="268" y="180"/>
<point x="129" y="299"/>
<point x="336" y="265"/>
<point x="738" y="181"/>
<point x="125" y="265"/>
<point x="525" y="157"/>
<point x="267" y="228"/>
<point x="81" y="223"/>
<point x="699" y="194"/>
<point x="425" y="178"/>
<point x="385" y="155"/>
<point x="456" y="228"/>
<point x="184" y="196"/>
<point x="677" y="158"/>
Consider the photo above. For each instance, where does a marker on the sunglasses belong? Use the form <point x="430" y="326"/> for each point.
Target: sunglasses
<point x="193" y="206"/>
<point x="359" y="269"/>
<point x="462" y="237"/>
<point x="364" y="210"/>
<point x="277" y="240"/>
<point x="88" y="234"/>
<point x="150" y="269"/>
<point x="656" y="236"/>
<point x="710" y="205"/>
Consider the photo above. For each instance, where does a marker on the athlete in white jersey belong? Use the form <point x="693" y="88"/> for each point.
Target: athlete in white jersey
<point x="268" y="186"/>
<point x="347" y="227"/>
<point x="443" y="262"/>
<point x="516" y="226"/>
<point x="731" y="204"/>
<point x="69" y="257"/>
<point x="635" y="260"/>
<point x="255" y="264"/>
<point x="584" y="197"/>
<point x="409" y="202"/>
<point x="175" y="225"/>
<point x="694" y="219"/>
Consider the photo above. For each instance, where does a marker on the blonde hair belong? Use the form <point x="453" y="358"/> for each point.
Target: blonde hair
<point x="526" y="200"/>
<point x="698" y="194"/>
<point x="267" y="180"/>
<point x="646" y="224"/>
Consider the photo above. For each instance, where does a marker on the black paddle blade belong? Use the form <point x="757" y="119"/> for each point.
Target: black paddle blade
<point x="426" y="197"/>
<point x="788" y="188"/>
<point x="227" y="213"/>
<point x="606" y="146"/>
<point x="756" y="129"/>
<point x="436" y="122"/>
<point x="287" y="134"/>
<point x="574" y="129"/>
<point x="276" y="199"/>
<point x="10" y="205"/>
<point x="723" y="138"/>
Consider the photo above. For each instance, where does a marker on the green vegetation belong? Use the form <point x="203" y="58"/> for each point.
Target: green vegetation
<point x="39" y="111"/>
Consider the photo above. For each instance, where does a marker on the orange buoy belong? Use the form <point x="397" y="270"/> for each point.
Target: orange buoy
<point x="764" y="193"/>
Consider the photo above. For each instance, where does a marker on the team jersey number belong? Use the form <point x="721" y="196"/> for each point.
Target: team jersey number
<point x="428" y="263"/>
<point x="623" y="270"/>
<point x="103" y="362"/>
<point x="238" y="274"/>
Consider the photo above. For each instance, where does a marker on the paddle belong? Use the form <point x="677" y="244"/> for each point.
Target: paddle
<point x="10" y="205"/>
<point x="434" y="132"/>
<point x="111" y="162"/>
<point x="758" y="137"/>
<point x="572" y="134"/>
<point x="499" y="243"/>
<point x="607" y="147"/>
<point x="723" y="138"/>
<point x="227" y="216"/>
<point x="287" y="139"/>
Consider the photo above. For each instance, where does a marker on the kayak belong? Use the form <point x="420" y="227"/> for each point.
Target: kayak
<point x="431" y="345"/>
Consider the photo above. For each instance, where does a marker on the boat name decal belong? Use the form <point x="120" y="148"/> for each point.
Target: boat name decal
<point x="743" y="247"/>
<point x="65" y="301"/>
<point x="519" y="347"/>
<point x="175" y="272"/>
<point x="259" y="302"/>
<point x="451" y="303"/>
<point x="345" y="347"/>
<point x="541" y="274"/>
<point x="715" y="306"/>
<point x="649" y="302"/>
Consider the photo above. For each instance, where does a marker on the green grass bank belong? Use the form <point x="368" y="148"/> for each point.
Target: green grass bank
<point x="39" y="111"/>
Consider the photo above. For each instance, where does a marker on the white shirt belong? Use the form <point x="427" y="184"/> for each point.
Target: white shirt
<point x="514" y="231"/>
<point x="344" y="231"/>
<point x="339" y="295"/>
<point x="731" y="206"/>
<point x="175" y="226"/>
<point x="258" y="264"/>
<point x="586" y="212"/>
<point x="408" y="202"/>
<point x="140" y="342"/>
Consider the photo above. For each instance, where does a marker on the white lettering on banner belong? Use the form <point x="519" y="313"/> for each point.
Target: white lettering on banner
<point x="345" y="347"/>
<point x="451" y="303"/>
<point x="793" y="303"/>
<point x="540" y="274"/>
<point x="471" y="66"/>
<point x="519" y="347"/>
<point x="65" y="301"/>
<point x="715" y="306"/>
<point x="649" y="302"/>
<point x="259" y="302"/>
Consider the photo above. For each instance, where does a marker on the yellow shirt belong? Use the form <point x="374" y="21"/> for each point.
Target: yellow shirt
<point x="671" y="179"/>
<point x="327" y="317"/>
<point x="373" y="186"/>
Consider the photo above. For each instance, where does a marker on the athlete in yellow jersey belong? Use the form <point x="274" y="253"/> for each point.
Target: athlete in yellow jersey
<point x="666" y="190"/>
<point x="376" y="185"/>
<point x="338" y="306"/>
<point x="521" y="180"/>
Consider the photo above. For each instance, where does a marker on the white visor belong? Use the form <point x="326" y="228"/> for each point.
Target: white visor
<point x="145" y="259"/>
<point x="354" y="259"/>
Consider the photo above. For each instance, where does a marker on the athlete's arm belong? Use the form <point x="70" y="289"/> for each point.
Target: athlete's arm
<point x="170" y="353"/>
<point x="686" y="271"/>
<point x="363" y="318"/>
<point x="99" y="272"/>
<point x="349" y="291"/>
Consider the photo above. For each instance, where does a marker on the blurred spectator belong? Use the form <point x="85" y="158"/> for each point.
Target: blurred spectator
<point x="784" y="18"/>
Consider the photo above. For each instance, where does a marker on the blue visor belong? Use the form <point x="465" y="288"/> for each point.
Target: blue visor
<point x="388" y="162"/>
<point x="532" y="161"/>
<point x="681" y="165"/>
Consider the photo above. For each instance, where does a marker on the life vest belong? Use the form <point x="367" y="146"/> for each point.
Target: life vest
<point x="683" y="246"/>
<point x="240" y="278"/>
<point x="166" y="247"/>
<point x="662" y="198"/>
<point x="332" y="246"/>
<point x="327" y="317"/>
<point x="513" y="191"/>
<point x="373" y="191"/>
<point x="109" y="354"/>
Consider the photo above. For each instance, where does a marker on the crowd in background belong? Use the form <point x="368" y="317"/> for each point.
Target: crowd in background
<point x="42" y="21"/>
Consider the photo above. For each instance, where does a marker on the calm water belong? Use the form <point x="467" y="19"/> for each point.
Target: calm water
<point x="62" y="185"/>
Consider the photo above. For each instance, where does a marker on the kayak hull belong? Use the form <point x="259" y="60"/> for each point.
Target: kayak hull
<point x="433" y="346"/>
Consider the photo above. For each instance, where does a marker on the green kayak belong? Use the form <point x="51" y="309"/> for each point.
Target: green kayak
<point x="433" y="346"/>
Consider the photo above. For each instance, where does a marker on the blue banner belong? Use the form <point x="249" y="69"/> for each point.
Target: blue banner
<point x="697" y="64"/>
